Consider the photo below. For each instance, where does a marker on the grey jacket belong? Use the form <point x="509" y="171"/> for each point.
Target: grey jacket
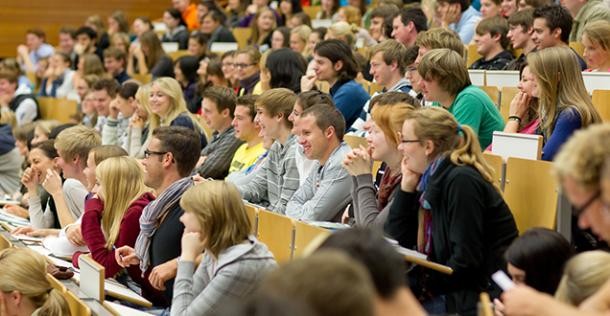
<point x="217" y="283"/>
<point x="364" y="201"/>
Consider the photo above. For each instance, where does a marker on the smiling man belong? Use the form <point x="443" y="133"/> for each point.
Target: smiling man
<point x="326" y="191"/>
<point x="217" y="110"/>
<point x="248" y="131"/>
<point x="277" y="180"/>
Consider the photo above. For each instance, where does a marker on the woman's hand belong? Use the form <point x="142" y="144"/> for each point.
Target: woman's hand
<point x="52" y="182"/>
<point x="192" y="246"/>
<point x="136" y="121"/>
<point x="75" y="235"/>
<point x="308" y="81"/>
<point x="410" y="179"/>
<point x="519" y="105"/>
<point x="498" y="307"/>
<point x="126" y="256"/>
<point x="30" y="180"/>
<point x="16" y="210"/>
<point x="358" y="162"/>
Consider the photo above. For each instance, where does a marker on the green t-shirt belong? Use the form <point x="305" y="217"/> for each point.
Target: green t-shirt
<point x="473" y="107"/>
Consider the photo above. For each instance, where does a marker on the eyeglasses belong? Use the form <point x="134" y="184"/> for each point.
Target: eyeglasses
<point x="148" y="153"/>
<point x="579" y="210"/>
<point x="242" y="65"/>
<point x="406" y="141"/>
<point x="228" y="65"/>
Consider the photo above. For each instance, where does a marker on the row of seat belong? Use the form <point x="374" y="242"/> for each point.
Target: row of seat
<point x="472" y="55"/>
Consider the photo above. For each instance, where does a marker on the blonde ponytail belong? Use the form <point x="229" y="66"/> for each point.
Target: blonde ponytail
<point x="459" y="142"/>
<point x="54" y="305"/>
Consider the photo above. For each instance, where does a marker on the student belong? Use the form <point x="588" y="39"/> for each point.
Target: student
<point x="445" y="80"/>
<point x="407" y="24"/>
<point x="508" y="7"/>
<point x="447" y="184"/>
<point x="10" y="159"/>
<point x="583" y="276"/>
<point x="115" y="131"/>
<point x="379" y="29"/>
<point x="112" y="214"/>
<point x="103" y="92"/>
<point x="492" y="44"/>
<point x="262" y="26"/>
<point x="217" y="108"/>
<point x="176" y="29"/>
<point x="185" y="70"/>
<point x="552" y="26"/>
<point x="35" y="49"/>
<point x="438" y="38"/>
<point x="57" y="79"/>
<point x="87" y="42"/>
<point x="371" y="205"/>
<point x="115" y="63"/>
<point x="19" y="101"/>
<point x="247" y="70"/>
<point x="596" y="41"/>
<point x="248" y="132"/>
<point x="459" y="16"/>
<point x="233" y="262"/>
<point x="298" y="40"/>
<point x="490" y="8"/>
<point x="283" y="68"/>
<point x="212" y="25"/>
<point x="24" y="287"/>
<point x="300" y="281"/>
<point x="523" y="109"/>
<point x="584" y="13"/>
<point x="275" y="183"/>
<point x="388" y="67"/>
<point x="168" y="162"/>
<point x="304" y="101"/>
<point x="280" y="38"/>
<point x="334" y="62"/>
<point x="520" y="36"/>
<point x="149" y="58"/>
<point x="326" y="191"/>
<point x="188" y="11"/>
<point x="198" y="45"/>
<point x="385" y="266"/>
<point x="168" y="108"/>
<point x="564" y="103"/>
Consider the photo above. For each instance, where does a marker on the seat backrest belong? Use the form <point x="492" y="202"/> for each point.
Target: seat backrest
<point x="277" y="232"/>
<point x="143" y="79"/>
<point x="252" y="211"/>
<point x="306" y="235"/>
<point x="497" y="164"/>
<point x="601" y="102"/>
<point x="312" y="10"/>
<point x="578" y="48"/>
<point x="518" y="145"/>
<point x="242" y="34"/>
<point x="177" y="54"/>
<point x="531" y="193"/>
<point x="77" y="306"/>
<point x="56" y="284"/>
<point x="471" y="54"/>
<point x="502" y="78"/>
<point x="508" y="93"/>
<point x="4" y="242"/>
<point x="493" y="93"/>
<point x="59" y="109"/>
<point x="355" y="141"/>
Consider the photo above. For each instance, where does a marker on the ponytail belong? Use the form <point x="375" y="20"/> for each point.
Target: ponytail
<point x="54" y="305"/>
<point x="459" y="142"/>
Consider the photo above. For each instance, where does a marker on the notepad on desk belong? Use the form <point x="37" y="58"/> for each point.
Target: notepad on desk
<point x="12" y="219"/>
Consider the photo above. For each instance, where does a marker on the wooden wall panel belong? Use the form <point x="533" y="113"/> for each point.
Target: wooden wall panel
<point x="16" y="16"/>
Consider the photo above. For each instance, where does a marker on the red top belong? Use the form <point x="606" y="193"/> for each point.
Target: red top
<point x="93" y="236"/>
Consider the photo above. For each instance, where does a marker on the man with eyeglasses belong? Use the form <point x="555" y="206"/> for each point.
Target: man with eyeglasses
<point x="168" y="162"/>
<point x="247" y="70"/>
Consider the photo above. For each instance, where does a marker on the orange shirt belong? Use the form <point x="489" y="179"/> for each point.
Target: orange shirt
<point x="190" y="17"/>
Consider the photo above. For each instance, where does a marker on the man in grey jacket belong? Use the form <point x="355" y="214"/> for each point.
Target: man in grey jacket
<point x="326" y="191"/>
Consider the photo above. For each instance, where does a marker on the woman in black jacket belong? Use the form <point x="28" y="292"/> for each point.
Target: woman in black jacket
<point x="450" y="209"/>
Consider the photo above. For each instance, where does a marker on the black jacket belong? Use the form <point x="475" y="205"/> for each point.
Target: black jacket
<point x="471" y="228"/>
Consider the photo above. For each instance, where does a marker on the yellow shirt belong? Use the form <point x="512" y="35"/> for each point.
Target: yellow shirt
<point x="246" y="156"/>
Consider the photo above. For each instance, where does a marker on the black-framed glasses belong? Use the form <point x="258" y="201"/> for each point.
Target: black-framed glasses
<point x="242" y="66"/>
<point x="406" y="141"/>
<point x="579" y="210"/>
<point x="148" y="153"/>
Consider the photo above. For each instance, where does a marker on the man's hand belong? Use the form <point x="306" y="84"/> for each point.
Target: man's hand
<point x="162" y="273"/>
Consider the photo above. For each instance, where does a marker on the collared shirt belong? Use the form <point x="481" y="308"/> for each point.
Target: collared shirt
<point x="277" y="180"/>
<point x="219" y="153"/>
<point x="466" y="25"/>
<point x="326" y="191"/>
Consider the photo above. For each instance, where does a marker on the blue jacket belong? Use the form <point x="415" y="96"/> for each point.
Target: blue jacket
<point x="349" y="97"/>
<point x="7" y="142"/>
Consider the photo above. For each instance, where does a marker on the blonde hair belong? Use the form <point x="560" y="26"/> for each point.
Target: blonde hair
<point x="441" y="38"/>
<point x="171" y="88"/>
<point x="352" y="14"/>
<point x="92" y="65"/>
<point x="220" y="211"/>
<point x="303" y="32"/>
<point x="440" y="127"/>
<point x="46" y="126"/>
<point x="389" y="118"/>
<point x="9" y="118"/>
<point x="77" y="141"/>
<point x="278" y="101"/>
<point x="583" y="276"/>
<point x="122" y="182"/>
<point x="25" y="271"/>
<point x="143" y="97"/>
<point x="583" y="156"/>
<point x="103" y="152"/>
<point x="447" y="67"/>
<point x="598" y="32"/>
<point x="560" y="86"/>
<point x="345" y="31"/>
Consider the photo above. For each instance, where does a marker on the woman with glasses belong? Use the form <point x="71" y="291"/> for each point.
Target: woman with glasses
<point x="449" y="209"/>
<point x="247" y="70"/>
